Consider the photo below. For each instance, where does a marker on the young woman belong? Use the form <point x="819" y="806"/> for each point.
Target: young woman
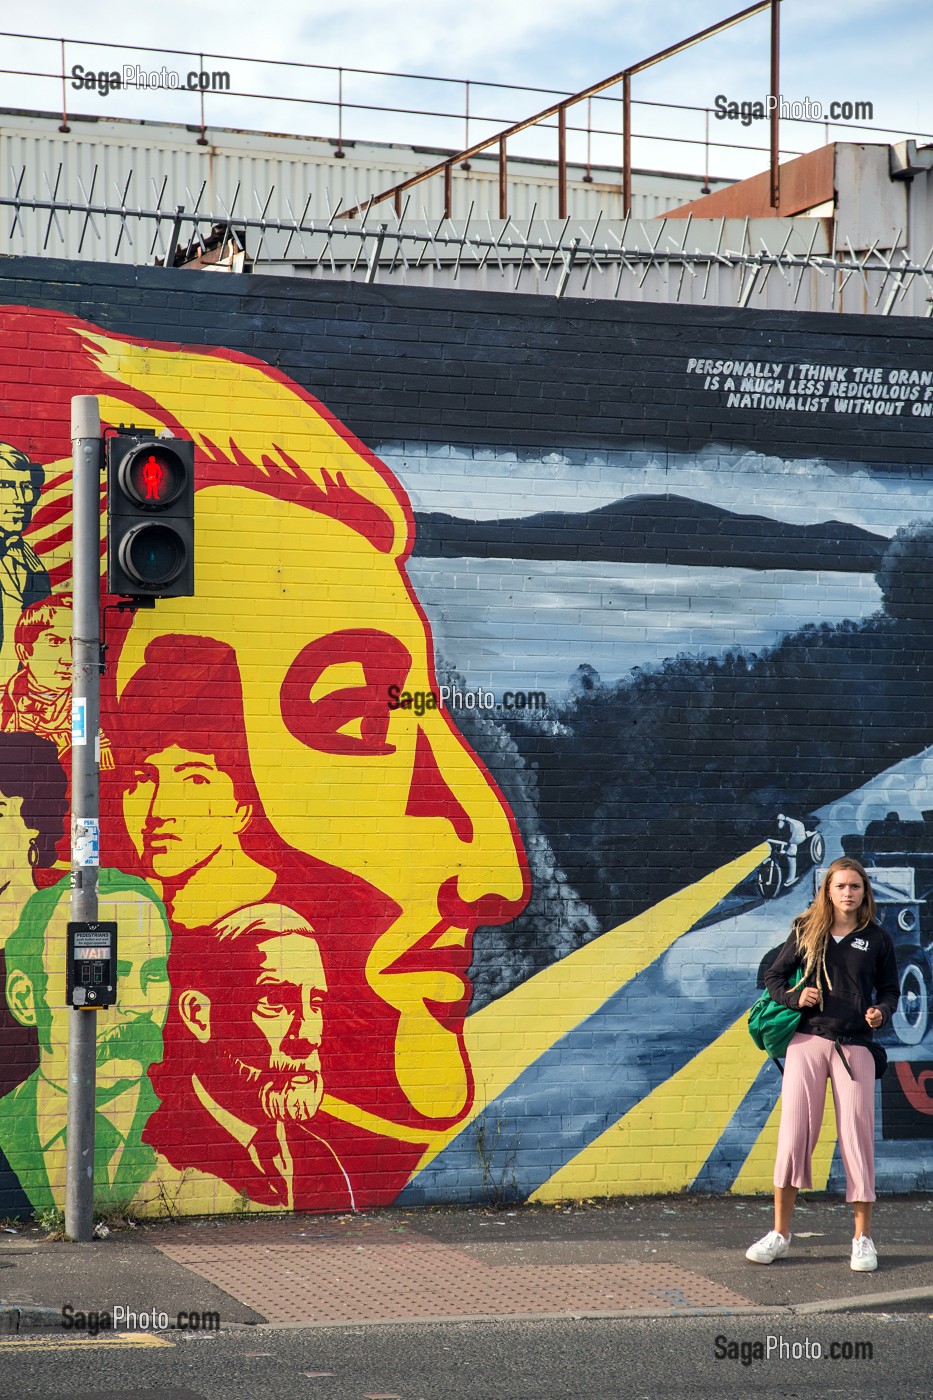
<point x="849" y="989"/>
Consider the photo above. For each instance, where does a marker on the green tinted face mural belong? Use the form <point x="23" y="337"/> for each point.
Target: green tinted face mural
<point x="129" y="1040"/>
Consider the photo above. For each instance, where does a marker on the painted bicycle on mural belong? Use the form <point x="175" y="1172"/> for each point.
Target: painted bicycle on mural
<point x="796" y="848"/>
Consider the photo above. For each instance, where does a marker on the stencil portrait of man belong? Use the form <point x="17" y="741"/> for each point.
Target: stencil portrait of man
<point x="23" y="578"/>
<point x="37" y="700"/>
<point x="241" y="1081"/>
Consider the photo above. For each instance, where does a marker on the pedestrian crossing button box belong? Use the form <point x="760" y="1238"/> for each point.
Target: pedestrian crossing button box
<point x="91" y="965"/>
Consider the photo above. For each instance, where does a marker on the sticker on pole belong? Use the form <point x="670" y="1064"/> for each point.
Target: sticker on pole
<point x="85" y="842"/>
<point x="78" y="721"/>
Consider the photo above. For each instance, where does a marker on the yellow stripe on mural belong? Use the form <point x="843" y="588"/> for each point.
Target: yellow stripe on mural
<point x="360" y="1118"/>
<point x="511" y="1033"/>
<point x="661" y="1143"/>
<point x="757" y="1174"/>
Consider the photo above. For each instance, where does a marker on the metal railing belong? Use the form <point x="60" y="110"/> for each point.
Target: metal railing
<point x="560" y="109"/>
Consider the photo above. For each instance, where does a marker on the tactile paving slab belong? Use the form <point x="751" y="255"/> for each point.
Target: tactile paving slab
<point x="367" y="1271"/>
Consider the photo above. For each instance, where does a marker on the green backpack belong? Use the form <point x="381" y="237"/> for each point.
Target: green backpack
<point x="771" y="1025"/>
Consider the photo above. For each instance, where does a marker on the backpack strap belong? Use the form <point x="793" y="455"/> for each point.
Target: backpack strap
<point x="837" y="1046"/>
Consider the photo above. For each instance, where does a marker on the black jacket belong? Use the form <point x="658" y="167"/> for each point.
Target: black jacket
<point x="863" y="970"/>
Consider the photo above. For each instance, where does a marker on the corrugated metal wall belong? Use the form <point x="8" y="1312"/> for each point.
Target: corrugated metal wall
<point x="290" y="169"/>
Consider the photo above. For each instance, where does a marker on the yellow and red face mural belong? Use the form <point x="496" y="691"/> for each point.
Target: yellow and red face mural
<point x="323" y="861"/>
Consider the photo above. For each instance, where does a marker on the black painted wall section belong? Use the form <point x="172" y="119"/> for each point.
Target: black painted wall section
<point x="506" y="369"/>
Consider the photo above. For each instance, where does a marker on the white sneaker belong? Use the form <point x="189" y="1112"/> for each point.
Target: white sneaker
<point x="864" y="1255"/>
<point x="772" y="1246"/>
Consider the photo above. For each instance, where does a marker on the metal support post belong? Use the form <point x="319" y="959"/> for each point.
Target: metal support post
<point x="562" y="162"/>
<point x="775" y="110"/>
<point x="626" y="144"/>
<point x="64" y="126"/>
<point x="376" y="253"/>
<point x="85" y="802"/>
<point x="340" y="153"/>
<point x="202" y="138"/>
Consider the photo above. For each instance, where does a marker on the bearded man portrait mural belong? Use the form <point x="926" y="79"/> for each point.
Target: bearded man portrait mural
<point x="258" y="762"/>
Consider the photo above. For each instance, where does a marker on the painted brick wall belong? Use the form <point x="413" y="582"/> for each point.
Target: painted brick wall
<point x="541" y="653"/>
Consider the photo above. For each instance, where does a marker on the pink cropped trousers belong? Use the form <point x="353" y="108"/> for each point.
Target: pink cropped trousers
<point x="811" y="1060"/>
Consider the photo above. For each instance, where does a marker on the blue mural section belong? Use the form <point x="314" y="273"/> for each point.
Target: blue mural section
<point x="734" y="649"/>
<point x="683" y="1001"/>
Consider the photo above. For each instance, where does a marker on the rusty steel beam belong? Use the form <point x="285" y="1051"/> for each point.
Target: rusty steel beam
<point x="448" y="189"/>
<point x="806" y="183"/>
<point x="626" y="146"/>
<point x="554" y="109"/>
<point x="503" y="181"/>
<point x="562" y="162"/>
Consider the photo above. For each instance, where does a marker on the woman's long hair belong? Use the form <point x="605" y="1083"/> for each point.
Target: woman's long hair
<point x="813" y="926"/>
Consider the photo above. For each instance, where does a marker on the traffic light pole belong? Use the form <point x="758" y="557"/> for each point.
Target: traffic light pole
<point x="85" y="802"/>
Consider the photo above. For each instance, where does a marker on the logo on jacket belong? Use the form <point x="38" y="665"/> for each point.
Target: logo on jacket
<point x="861" y="944"/>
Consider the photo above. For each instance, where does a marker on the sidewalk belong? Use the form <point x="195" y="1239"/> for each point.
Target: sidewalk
<point x="657" y="1256"/>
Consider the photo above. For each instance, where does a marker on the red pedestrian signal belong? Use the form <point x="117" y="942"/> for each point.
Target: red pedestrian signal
<point x="150" y="516"/>
<point x="153" y="476"/>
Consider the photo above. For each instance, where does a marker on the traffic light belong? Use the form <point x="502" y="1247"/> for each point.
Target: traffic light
<point x="150" y="516"/>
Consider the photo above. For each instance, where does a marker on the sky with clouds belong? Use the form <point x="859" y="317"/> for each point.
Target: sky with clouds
<point x="862" y="51"/>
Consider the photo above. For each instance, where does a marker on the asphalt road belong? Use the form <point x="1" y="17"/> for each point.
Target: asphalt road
<point x="656" y="1358"/>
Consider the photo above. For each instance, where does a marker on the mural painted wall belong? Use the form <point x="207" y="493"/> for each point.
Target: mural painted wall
<point x="539" y="660"/>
